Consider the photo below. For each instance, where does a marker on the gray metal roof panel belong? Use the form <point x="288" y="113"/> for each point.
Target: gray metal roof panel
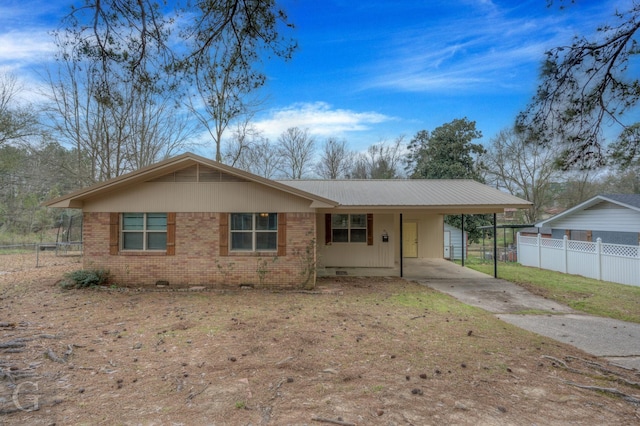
<point x="408" y="192"/>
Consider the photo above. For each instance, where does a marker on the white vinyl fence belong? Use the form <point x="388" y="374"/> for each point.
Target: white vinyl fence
<point x="607" y="262"/>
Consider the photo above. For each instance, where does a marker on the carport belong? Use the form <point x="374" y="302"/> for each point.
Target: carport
<point x="404" y="220"/>
<point x="422" y="265"/>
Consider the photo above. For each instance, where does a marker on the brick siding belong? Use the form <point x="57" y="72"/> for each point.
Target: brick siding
<point x="197" y="261"/>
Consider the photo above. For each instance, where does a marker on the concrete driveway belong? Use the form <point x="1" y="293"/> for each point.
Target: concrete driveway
<point x="618" y="341"/>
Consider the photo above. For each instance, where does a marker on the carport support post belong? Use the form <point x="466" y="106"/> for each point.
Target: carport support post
<point x="495" y="247"/>
<point x="401" y="241"/>
<point x="462" y="239"/>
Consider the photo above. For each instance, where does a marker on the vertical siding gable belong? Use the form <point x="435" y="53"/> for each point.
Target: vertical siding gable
<point x="198" y="173"/>
<point x="199" y="197"/>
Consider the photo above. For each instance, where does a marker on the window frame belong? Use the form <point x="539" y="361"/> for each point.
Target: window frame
<point x="255" y="232"/>
<point x="145" y="231"/>
<point x="367" y="218"/>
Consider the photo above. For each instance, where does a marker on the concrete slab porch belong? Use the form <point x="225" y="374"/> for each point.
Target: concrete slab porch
<point x="413" y="268"/>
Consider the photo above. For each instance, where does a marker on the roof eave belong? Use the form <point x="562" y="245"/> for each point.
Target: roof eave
<point x="454" y="209"/>
<point x="75" y="199"/>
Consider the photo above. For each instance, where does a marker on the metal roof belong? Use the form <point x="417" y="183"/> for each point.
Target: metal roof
<point x="447" y="195"/>
<point x="430" y="193"/>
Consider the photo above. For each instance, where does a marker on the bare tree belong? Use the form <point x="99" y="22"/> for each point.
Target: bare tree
<point x="336" y="160"/>
<point x="214" y="46"/>
<point x="112" y="133"/>
<point x="523" y="169"/>
<point x="249" y="150"/>
<point x="158" y="129"/>
<point x="266" y="159"/>
<point x="296" y="148"/>
<point x="381" y="161"/>
<point x="223" y="94"/>
<point x="17" y="123"/>
<point x="578" y="186"/>
<point x="243" y="139"/>
<point x="89" y="122"/>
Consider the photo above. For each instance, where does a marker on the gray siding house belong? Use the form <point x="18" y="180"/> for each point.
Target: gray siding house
<point x="454" y="243"/>
<point x="614" y="218"/>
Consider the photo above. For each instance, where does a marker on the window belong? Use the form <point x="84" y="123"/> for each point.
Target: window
<point x="254" y="231"/>
<point x="144" y="231"/>
<point x="349" y="228"/>
<point x="579" y="235"/>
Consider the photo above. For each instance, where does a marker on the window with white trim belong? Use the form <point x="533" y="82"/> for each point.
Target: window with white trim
<point x="254" y="231"/>
<point x="349" y="228"/>
<point x="144" y="231"/>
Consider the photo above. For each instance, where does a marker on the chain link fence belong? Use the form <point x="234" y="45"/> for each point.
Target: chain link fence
<point x="18" y="257"/>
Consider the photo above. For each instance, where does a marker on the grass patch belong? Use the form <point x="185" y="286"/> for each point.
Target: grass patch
<point x="8" y="251"/>
<point x="434" y="302"/>
<point x="601" y="298"/>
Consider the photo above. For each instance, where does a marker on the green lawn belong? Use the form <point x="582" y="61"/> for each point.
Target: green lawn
<point x="587" y="295"/>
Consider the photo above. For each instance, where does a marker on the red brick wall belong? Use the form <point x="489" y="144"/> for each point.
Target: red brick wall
<point x="197" y="262"/>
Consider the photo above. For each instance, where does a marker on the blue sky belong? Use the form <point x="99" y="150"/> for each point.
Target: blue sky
<point x="368" y="71"/>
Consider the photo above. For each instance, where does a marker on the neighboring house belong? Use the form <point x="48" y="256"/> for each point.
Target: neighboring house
<point x="190" y="221"/>
<point x="614" y="218"/>
<point x="532" y="232"/>
<point x="454" y="243"/>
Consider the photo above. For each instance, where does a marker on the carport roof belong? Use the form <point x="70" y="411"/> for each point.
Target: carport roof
<point x="442" y="194"/>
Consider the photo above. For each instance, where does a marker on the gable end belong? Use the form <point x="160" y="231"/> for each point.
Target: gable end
<point x="197" y="173"/>
<point x="606" y="205"/>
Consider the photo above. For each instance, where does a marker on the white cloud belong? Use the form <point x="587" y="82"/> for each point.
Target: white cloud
<point x="25" y="47"/>
<point x="494" y="48"/>
<point x="319" y="118"/>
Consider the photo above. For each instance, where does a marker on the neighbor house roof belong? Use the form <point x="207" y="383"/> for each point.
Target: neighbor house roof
<point x="630" y="201"/>
<point x="454" y="194"/>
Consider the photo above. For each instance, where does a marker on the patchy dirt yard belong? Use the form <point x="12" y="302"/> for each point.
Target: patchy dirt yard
<point x="356" y="351"/>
